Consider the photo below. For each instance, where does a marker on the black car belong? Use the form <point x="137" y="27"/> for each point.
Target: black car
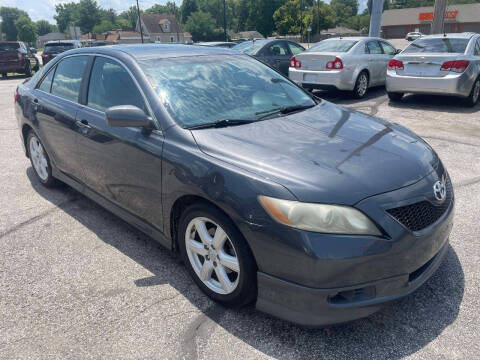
<point x="275" y="53"/>
<point x="15" y="56"/>
<point x="317" y="213"/>
<point x="53" y="48"/>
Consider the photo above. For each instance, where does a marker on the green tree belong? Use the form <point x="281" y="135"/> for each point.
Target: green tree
<point x="9" y="15"/>
<point x="123" y="24"/>
<point x="104" y="26"/>
<point x="87" y="15"/>
<point x="131" y="16"/>
<point x="201" y="25"/>
<point x="260" y="16"/>
<point x="169" y="8"/>
<point x="186" y="9"/>
<point x="44" y="27"/>
<point x="26" y="29"/>
<point x="65" y="14"/>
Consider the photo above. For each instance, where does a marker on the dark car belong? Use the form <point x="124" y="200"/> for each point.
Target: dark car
<point x="53" y="48"/>
<point x="318" y="213"/>
<point x="275" y="53"/>
<point x="16" y="57"/>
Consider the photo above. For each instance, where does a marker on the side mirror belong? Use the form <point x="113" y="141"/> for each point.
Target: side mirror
<point x="126" y="116"/>
<point x="398" y="51"/>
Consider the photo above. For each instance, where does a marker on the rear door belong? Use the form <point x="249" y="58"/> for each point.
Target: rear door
<point x="375" y="61"/>
<point x="278" y="56"/>
<point x="56" y="103"/>
<point x="388" y="54"/>
<point x="122" y="164"/>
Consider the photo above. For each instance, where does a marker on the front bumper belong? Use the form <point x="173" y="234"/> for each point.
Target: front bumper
<point x="317" y="307"/>
<point x="451" y="84"/>
<point x="339" y="79"/>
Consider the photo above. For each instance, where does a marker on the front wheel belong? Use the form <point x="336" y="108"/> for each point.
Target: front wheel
<point x="40" y="160"/>
<point x="474" y="94"/>
<point x="361" y="85"/>
<point x="216" y="255"/>
<point x="395" y="96"/>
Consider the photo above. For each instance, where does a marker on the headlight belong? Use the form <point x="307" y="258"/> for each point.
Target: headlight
<point x="323" y="218"/>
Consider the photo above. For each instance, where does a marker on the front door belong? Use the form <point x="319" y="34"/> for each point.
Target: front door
<point x="122" y="164"/>
<point x="278" y="56"/>
<point x="375" y="62"/>
<point x="55" y="104"/>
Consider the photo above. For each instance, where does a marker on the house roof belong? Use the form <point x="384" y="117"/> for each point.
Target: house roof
<point x="52" y="36"/>
<point x="153" y="21"/>
<point x="466" y="13"/>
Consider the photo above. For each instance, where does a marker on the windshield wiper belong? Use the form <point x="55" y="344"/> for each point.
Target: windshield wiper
<point x="221" y="123"/>
<point x="283" y="110"/>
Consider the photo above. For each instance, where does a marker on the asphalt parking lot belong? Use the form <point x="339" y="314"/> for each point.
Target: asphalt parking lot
<point x="77" y="282"/>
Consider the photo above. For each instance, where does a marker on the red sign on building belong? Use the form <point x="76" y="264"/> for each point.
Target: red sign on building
<point x="428" y="16"/>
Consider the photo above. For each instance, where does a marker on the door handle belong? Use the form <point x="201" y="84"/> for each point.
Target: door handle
<point x="83" y="126"/>
<point x="35" y="104"/>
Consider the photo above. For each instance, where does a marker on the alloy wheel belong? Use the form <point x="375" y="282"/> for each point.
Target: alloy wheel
<point x="476" y="91"/>
<point x="362" y="85"/>
<point x="39" y="159"/>
<point x="212" y="255"/>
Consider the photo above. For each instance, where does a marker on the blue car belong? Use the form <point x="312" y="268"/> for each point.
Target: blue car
<point x="315" y="213"/>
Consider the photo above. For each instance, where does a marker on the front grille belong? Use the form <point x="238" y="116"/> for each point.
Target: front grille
<point x="422" y="214"/>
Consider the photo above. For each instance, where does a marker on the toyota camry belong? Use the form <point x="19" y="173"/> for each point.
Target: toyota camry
<point x="315" y="213"/>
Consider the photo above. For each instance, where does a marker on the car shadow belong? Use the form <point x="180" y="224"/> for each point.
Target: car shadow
<point x="398" y="330"/>
<point x="436" y="103"/>
<point x="346" y="97"/>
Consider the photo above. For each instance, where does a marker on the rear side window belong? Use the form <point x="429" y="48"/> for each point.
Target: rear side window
<point x="295" y="49"/>
<point x="477" y="48"/>
<point x="46" y="83"/>
<point x="111" y="85"/>
<point x="57" y="47"/>
<point x="68" y="77"/>
<point x="387" y="48"/>
<point x="333" y="45"/>
<point x="277" y="49"/>
<point x="437" y="45"/>
<point x="8" y="46"/>
<point x="373" y="47"/>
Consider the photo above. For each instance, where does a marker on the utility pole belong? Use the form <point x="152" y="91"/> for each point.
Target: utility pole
<point x="301" y="20"/>
<point x="224" y="20"/>
<point x="376" y="18"/>
<point x="139" y="22"/>
<point x="438" y="16"/>
<point x="318" y="19"/>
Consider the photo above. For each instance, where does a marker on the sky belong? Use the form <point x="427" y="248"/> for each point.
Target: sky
<point x="45" y="9"/>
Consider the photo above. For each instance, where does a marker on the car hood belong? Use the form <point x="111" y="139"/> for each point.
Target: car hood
<point x="326" y="154"/>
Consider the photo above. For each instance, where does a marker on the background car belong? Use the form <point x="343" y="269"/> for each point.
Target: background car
<point x="353" y="64"/>
<point x="224" y="44"/>
<point x="275" y="53"/>
<point x="444" y="64"/>
<point x="53" y="48"/>
<point x="414" y="35"/>
<point x="16" y="57"/>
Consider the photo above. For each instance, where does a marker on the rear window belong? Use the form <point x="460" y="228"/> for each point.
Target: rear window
<point x="57" y="47"/>
<point x="9" y="46"/>
<point x="437" y="45"/>
<point x="333" y="46"/>
<point x="250" y="47"/>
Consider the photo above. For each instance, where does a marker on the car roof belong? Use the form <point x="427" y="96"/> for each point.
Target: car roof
<point x="464" y="35"/>
<point x="61" y="41"/>
<point x="355" y="38"/>
<point x="142" y="51"/>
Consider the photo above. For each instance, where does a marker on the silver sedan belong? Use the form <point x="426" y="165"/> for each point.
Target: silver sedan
<point x="445" y="64"/>
<point x="353" y="64"/>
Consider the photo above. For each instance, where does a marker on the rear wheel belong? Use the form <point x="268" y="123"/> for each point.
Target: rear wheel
<point x="474" y="94"/>
<point x="361" y="85"/>
<point x="395" y="96"/>
<point x="216" y="255"/>
<point x="40" y="160"/>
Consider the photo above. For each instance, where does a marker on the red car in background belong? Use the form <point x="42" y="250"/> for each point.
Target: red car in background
<point x="15" y="56"/>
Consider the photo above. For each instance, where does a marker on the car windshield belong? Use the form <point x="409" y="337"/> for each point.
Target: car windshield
<point x="9" y="46"/>
<point x="206" y="89"/>
<point x="57" y="47"/>
<point x="250" y="47"/>
<point x="333" y="46"/>
<point x="437" y="45"/>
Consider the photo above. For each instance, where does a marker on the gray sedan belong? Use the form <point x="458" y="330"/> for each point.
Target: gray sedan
<point x="438" y="64"/>
<point x="354" y="64"/>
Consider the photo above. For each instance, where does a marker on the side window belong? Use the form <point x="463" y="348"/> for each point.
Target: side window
<point x="111" y="85"/>
<point x="295" y="49"/>
<point x="477" y="48"/>
<point x="68" y="77"/>
<point x="387" y="48"/>
<point x="373" y="48"/>
<point x="277" y="49"/>
<point x="46" y="83"/>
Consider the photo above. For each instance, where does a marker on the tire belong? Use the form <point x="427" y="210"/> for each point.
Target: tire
<point x="28" y="69"/>
<point x="361" y="85"/>
<point x="241" y="287"/>
<point x="472" y="99"/>
<point x="4" y="75"/>
<point x="37" y="65"/>
<point x="40" y="161"/>
<point x="395" y="96"/>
